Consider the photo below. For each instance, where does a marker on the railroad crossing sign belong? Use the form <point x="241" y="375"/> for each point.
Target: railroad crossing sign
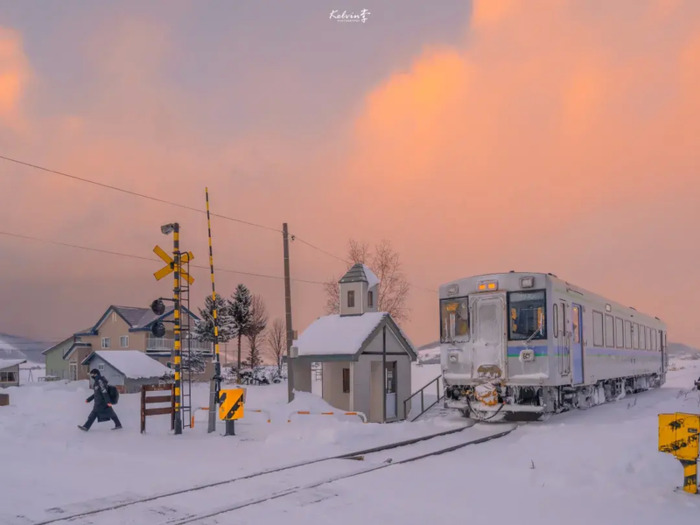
<point x="169" y="267"/>
<point x="678" y="435"/>
<point x="231" y="404"/>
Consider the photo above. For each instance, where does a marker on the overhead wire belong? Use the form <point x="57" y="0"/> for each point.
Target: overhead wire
<point x="182" y="206"/>
<point x="150" y="259"/>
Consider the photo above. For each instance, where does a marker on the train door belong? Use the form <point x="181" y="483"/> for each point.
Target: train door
<point x="563" y="339"/>
<point x="576" y="344"/>
<point x="489" y="336"/>
<point x="662" y="347"/>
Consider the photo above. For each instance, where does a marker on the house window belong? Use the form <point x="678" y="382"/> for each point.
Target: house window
<point x="351" y="299"/>
<point x="105" y="342"/>
<point x="370" y="299"/>
<point x="124" y="341"/>
<point x="7" y="377"/>
<point x="114" y="317"/>
<point x="346" y="380"/>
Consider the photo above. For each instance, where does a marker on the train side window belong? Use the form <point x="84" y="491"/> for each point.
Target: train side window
<point x="555" y="317"/>
<point x="654" y="340"/>
<point x="575" y="324"/>
<point x="648" y="338"/>
<point x="609" y="331"/>
<point x="642" y="342"/>
<point x="619" y="338"/>
<point x="635" y="336"/>
<point x="597" y="328"/>
<point x="628" y="334"/>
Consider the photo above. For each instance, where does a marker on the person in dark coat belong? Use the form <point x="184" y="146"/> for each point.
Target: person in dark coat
<point x="102" y="410"/>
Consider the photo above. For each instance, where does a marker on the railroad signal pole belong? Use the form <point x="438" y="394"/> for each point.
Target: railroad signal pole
<point x="175" y="265"/>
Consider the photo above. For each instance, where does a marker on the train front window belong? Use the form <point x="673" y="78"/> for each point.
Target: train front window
<point x="454" y="320"/>
<point x="527" y="315"/>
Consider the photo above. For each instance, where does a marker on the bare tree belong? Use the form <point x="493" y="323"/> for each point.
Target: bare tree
<point x="386" y="264"/>
<point x="256" y="330"/>
<point x="276" y="341"/>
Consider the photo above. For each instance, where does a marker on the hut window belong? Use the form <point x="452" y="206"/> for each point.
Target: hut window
<point x="346" y="380"/>
<point x="7" y="377"/>
<point x="351" y="299"/>
<point x="370" y="299"/>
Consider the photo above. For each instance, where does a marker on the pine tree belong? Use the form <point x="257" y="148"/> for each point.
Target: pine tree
<point x="241" y="315"/>
<point x="194" y="360"/>
<point x="204" y="328"/>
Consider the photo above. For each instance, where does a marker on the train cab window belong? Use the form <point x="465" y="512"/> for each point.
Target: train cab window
<point x="597" y="328"/>
<point x="527" y="315"/>
<point x="454" y="319"/>
<point x="609" y="331"/>
<point x="619" y="338"/>
<point x="628" y="334"/>
<point x="642" y="341"/>
<point x="555" y="319"/>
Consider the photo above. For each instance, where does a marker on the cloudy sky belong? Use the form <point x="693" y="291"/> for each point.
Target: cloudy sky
<point x="541" y="136"/>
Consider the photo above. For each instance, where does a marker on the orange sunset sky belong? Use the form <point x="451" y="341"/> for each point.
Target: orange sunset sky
<point x="543" y="136"/>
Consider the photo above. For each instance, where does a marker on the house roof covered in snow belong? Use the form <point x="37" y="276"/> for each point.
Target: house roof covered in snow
<point x="137" y="318"/>
<point x="335" y="336"/>
<point x="9" y="363"/>
<point x="132" y="363"/>
<point x="360" y="273"/>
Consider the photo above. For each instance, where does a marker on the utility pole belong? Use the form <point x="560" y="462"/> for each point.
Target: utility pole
<point x="288" y="312"/>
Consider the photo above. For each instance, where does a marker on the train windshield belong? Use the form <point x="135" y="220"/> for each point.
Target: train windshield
<point x="454" y="320"/>
<point x="527" y="315"/>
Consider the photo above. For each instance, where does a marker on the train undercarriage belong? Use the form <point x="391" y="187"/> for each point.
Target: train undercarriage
<point x="496" y="401"/>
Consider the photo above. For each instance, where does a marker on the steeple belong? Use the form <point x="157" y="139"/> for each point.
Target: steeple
<point x="359" y="289"/>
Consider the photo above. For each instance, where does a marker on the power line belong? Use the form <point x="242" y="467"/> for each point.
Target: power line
<point x="150" y="259"/>
<point x="183" y="206"/>
<point x="137" y="194"/>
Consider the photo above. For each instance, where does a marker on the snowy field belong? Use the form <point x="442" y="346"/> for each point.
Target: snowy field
<point x="596" y="466"/>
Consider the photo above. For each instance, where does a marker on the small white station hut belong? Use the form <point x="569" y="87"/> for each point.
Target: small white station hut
<point x="365" y="357"/>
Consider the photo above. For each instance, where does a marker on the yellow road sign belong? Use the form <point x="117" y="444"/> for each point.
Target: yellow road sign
<point x="678" y="434"/>
<point x="231" y="404"/>
<point x="170" y="265"/>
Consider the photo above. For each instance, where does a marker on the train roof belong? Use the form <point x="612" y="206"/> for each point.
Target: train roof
<point x="551" y="277"/>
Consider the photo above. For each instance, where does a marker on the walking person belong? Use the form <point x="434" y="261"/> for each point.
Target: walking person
<point x="102" y="409"/>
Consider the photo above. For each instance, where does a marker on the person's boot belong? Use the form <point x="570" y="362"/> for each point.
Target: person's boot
<point x="81" y="427"/>
<point x="117" y="428"/>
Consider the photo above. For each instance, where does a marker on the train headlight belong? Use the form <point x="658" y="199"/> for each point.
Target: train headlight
<point x="453" y="358"/>
<point x="527" y="282"/>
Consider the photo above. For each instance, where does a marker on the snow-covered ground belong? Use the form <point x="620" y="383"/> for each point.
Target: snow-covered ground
<point x="596" y="466"/>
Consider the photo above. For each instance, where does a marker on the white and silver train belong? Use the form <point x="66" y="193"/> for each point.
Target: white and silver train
<point x="522" y="345"/>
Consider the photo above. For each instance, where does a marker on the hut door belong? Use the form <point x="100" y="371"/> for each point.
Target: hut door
<point x="73" y="369"/>
<point x="390" y="382"/>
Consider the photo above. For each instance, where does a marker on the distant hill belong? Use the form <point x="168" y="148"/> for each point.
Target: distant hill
<point x="681" y="350"/>
<point x="429" y="354"/>
<point x="16" y="347"/>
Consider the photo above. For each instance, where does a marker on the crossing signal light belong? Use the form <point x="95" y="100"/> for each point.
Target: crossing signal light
<point x="158" y="307"/>
<point x="158" y="329"/>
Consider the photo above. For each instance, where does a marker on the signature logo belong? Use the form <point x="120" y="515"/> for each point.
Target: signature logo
<point x="350" y="16"/>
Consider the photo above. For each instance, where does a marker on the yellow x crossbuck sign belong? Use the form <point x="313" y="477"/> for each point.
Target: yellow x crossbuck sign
<point x="170" y="264"/>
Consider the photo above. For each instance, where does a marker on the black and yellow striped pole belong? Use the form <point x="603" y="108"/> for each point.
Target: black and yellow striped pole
<point x="215" y="386"/>
<point x="690" y="475"/>
<point x="176" y="313"/>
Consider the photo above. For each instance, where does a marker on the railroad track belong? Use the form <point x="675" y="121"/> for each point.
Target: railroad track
<point x="183" y="506"/>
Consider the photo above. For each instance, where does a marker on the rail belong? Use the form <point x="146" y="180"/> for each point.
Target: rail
<point x="362" y="416"/>
<point x="423" y="409"/>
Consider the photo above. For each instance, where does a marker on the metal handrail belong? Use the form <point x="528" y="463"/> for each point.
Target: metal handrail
<point x="423" y="410"/>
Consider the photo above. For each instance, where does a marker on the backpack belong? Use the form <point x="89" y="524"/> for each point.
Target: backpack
<point x="113" y="394"/>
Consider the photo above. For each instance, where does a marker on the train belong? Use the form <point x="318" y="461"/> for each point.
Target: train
<point x="526" y="345"/>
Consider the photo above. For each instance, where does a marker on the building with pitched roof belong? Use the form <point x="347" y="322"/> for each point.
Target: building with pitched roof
<point x="365" y="356"/>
